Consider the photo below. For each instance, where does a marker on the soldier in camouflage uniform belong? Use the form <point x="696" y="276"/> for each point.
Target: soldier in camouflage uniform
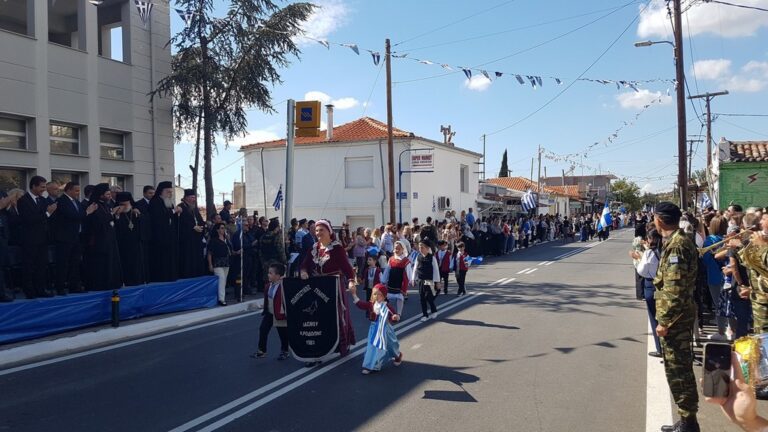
<point x="271" y="247"/>
<point x="676" y="312"/>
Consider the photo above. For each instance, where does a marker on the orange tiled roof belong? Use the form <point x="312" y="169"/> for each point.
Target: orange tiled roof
<point x="523" y="184"/>
<point x="363" y="129"/>
<point x="567" y="190"/>
<point x="748" y="151"/>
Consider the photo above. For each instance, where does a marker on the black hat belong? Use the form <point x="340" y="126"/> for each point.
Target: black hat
<point x="273" y="224"/>
<point x="426" y="242"/>
<point x="99" y="190"/>
<point x="227" y="202"/>
<point x="124" y="197"/>
<point x="668" y="212"/>
<point x="188" y="192"/>
<point x="302" y="221"/>
<point x="162" y="186"/>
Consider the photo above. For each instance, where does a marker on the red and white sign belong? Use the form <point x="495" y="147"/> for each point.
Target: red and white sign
<point x="422" y="161"/>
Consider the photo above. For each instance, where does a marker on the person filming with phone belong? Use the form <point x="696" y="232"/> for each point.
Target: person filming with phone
<point x="675" y="312"/>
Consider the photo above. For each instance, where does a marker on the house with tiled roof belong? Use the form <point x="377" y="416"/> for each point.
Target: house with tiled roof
<point x="343" y="175"/>
<point x="740" y="173"/>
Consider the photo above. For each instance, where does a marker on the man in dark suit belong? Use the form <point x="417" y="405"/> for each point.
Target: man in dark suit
<point x="66" y="226"/>
<point x="34" y="216"/>
<point x="53" y="188"/>
<point x="143" y="204"/>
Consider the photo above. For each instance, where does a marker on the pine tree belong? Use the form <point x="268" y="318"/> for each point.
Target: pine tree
<point x="504" y="172"/>
<point x="224" y="66"/>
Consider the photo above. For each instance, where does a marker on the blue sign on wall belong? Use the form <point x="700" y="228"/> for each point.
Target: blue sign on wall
<point x="402" y="195"/>
<point x="306" y="114"/>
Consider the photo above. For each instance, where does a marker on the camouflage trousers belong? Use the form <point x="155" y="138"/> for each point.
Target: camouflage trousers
<point x="759" y="302"/>
<point x="678" y="366"/>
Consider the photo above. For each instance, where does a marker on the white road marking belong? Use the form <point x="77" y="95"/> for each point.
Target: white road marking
<point x="498" y="281"/>
<point x="549" y="263"/>
<point x="120" y="345"/>
<point x="658" y="404"/>
<point x="543" y="263"/>
<point x="402" y="327"/>
<point x="507" y="281"/>
<point x="523" y="270"/>
<point x="417" y="346"/>
<point x="531" y="270"/>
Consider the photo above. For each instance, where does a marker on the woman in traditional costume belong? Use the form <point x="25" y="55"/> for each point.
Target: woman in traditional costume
<point x="328" y="258"/>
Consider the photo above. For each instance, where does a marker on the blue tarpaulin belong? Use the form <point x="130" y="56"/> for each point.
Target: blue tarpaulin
<point x="29" y="319"/>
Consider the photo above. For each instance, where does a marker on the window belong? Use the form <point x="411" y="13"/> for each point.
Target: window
<point x="464" y="178"/>
<point x="64" y="177"/>
<point x="358" y="172"/>
<point x="13" y="133"/>
<point x="112" y="35"/>
<point x="64" y="24"/>
<point x="114" y="180"/>
<point x="12" y="178"/>
<point x="65" y="139"/>
<point x="112" y="145"/>
<point x="15" y="16"/>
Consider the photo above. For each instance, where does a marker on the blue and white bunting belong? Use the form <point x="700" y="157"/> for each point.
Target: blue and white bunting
<point x="186" y="16"/>
<point x="376" y="58"/>
<point x="145" y="10"/>
<point x="468" y="73"/>
<point x="353" y="47"/>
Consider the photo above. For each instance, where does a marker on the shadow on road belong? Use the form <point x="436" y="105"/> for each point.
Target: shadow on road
<point x="463" y="322"/>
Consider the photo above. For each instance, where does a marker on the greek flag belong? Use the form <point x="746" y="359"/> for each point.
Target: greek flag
<point x="434" y="205"/>
<point x="528" y="201"/>
<point x="705" y="201"/>
<point x="605" y="218"/>
<point x="278" y="198"/>
<point x="379" y="338"/>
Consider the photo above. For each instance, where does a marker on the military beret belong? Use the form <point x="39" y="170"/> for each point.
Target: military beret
<point x="668" y="210"/>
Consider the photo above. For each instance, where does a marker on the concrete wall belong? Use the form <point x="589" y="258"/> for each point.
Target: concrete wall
<point x="42" y="81"/>
<point x="320" y="186"/>
<point x="736" y="184"/>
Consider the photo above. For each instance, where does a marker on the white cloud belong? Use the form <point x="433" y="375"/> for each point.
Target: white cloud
<point x="648" y="188"/>
<point x="752" y="77"/>
<point x="338" y="104"/>
<point x="345" y="103"/>
<point x="256" y="136"/>
<point x="711" y="69"/>
<point x="637" y="100"/>
<point x="703" y="18"/>
<point x="477" y="83"/>
<point x="327" y="18"/>
<point x="317" y="95"/>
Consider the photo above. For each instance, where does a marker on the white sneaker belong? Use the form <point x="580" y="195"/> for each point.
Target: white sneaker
<point x="434" y="315"/>
<point x="717" y="337"/>
<point x="424" y="319"/>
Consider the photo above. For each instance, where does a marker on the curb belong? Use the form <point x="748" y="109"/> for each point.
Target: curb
<point x="111" y="336"/>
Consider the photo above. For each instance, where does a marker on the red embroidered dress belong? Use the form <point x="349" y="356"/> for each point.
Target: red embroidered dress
<point x="332" y="261"/>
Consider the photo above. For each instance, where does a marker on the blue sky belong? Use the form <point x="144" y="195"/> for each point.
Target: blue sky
<point x="725" y="48"/>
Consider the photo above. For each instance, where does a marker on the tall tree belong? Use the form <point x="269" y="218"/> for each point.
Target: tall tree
<point x="223" y="66"/>
<point x="628" y="192"/>
<point x="504" y="172"/>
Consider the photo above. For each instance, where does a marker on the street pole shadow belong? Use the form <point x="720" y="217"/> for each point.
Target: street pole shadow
<point x="450" y="396"/>
<point x="464" y="322"/>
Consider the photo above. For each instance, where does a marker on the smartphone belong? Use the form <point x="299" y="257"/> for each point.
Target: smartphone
<point x="716" y="372"/>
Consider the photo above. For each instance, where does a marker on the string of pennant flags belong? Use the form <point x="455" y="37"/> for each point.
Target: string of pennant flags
<point x="613" y="136"/>
<point x="535" y="81"/>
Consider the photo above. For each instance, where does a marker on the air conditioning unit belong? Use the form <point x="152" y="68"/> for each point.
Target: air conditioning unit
<point x="443" y="203"/>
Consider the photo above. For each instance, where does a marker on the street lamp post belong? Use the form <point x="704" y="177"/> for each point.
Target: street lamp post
<point x="682" y="174"/>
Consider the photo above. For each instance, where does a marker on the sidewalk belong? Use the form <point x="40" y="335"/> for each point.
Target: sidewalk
<point x="95" y="337"/>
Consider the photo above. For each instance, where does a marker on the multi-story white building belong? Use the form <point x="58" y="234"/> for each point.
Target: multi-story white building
<point x="74" y="79"/>
<point x="343" y="175"/>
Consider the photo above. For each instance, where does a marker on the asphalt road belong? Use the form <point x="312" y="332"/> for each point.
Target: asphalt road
<point x="561" y="347"/>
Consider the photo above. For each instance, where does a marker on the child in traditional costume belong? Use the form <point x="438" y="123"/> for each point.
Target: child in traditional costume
<point x="382" y="342"/>
<point x="371" y="275"/>
<point x="426" y="276"/>
<point x="397" y="274"/>
<point x="274" y="313"/>
<point x="462" y="266"/>
<point x="445" y="261"/>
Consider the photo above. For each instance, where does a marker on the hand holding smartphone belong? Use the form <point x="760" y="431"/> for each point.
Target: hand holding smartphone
<point x="716" y="373"/>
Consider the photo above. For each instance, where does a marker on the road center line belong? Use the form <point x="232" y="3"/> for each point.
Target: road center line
<point x="498" y="282"/>
<point x="532" y="270"/>
<point x="523" y="270"/>
<point x="507" y="281"/>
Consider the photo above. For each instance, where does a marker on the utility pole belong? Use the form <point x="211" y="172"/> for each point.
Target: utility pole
<point x="538" y="182"/>
<point x="690" y="155"/>
<point x="390" y="143"/>
<point x="707" y="99"/>
<point x="483" y="171"/>
<point x="682" y="134"/>
<point x="531" y="178"/>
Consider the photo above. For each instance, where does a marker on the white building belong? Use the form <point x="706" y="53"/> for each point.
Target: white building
<point x="342" y="175"/>
<point x="74" y="80"/>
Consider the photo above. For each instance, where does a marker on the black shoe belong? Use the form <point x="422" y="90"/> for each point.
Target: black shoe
<point x="258" y="354"/>
<point x="689" y="424"/>
<point x="222" y="303"/>
<point x="655" y="354"/>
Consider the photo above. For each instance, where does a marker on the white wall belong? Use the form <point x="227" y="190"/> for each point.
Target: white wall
<point x="319" y="176"/>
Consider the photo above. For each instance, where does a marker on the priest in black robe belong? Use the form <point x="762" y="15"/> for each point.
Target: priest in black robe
<point x="128" y="232"/>
<point x="164" y="245"/>
<point x="191" y="231"/>
<point x="103" y="255"/>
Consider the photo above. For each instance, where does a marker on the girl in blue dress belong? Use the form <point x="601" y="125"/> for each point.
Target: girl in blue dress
<point x="382" y="342"/>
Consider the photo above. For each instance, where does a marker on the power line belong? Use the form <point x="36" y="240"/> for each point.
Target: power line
<point x="453" y="23"/>
<point x="746" y="129"/>
<point x="580" y="76"/>
<point x="240" y="159"/>
<point x="740" y="115"/>
<point x="523" y="50"/>
<point x="373" y="87"/>
<point x="736" y="5"/>
<point x="514" y="29"/>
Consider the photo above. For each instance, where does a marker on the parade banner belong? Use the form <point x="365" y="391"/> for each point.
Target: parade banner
<point x="311" y="309"/>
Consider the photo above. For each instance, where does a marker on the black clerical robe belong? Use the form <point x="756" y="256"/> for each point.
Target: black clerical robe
<point x="191" y="263"/>
<point x="128" y="232"/>
<point x="164" y="260"/>
<point x="103" y="257"/>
